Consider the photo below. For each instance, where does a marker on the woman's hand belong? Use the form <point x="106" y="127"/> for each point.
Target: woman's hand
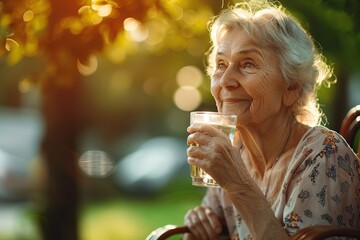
<point x="203" y="224"/>
<point x="211" y="150"/>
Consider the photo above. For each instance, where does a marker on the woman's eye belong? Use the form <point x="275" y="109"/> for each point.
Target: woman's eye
<point x="248" y="65"/>
<point x="221" y="65"/>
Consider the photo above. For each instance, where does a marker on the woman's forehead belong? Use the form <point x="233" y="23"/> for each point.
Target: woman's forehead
<point x="236" y="40"/>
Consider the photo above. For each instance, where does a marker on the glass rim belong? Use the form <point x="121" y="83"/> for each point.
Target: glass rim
<point x="214" y="113"/>
<point x="214" y="118"/>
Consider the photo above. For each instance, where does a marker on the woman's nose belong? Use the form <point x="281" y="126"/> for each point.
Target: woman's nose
<point x="229" y="79"/>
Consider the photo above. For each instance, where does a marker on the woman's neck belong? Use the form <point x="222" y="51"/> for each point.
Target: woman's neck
<point x="263" y="144"/>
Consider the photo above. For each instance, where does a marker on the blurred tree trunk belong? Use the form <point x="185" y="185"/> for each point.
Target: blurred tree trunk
<point x="61" y="106"/>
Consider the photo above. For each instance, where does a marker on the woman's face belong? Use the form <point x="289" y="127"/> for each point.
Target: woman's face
<point x="246" y="80"/>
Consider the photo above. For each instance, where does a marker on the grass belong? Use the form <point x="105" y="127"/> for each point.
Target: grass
<point x="133" y="218"/>
<point x="120" y="216"/>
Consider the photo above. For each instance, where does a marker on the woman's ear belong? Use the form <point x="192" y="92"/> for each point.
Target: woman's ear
<point x="291" y="94"/>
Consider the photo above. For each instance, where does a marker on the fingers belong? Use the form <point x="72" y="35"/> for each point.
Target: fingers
<point x="214" y="220"/>
<point x="197" y="138"/>
<point x="201" y="134"/>
<point x="202" y="146"/>
<point x="203" y="223"/>
<point x="198" y="152"/>
<point x="198" y="144"/>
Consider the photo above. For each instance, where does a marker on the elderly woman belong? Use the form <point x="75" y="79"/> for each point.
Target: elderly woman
<point x="284" y="171"/>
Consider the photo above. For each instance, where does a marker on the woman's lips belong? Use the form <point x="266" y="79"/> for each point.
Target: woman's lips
<point x="233" y="100"/>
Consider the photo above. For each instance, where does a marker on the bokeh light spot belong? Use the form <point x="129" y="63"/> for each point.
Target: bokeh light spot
<point x="189" y="76"/>
<point x="89" y="67"/>
<point x="24" y="85"/>
<point x="84" y="10"/>
<point x="28" y="16"/>
<point x="105" y="10"/>
<point x="96" y="163"/>
<point x="141" y="34"/>
<point x="177" y="12"/>
<point x="131" y="24"/>
<point x="11" y="44"/>
<point x="187" y="98"/>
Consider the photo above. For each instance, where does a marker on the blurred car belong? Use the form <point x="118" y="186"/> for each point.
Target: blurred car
<point x="152" y="166"/>
<point x="20" y="133"/>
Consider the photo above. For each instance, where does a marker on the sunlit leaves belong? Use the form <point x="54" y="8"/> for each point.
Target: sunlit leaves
<point x="156" y="26"/>
<point x="120" y="29"/>
<point x="24" y="22"/>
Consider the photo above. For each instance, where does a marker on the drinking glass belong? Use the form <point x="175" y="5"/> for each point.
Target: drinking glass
<point x="225" y="123"/>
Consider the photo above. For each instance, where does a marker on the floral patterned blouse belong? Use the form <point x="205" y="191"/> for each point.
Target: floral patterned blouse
<point x="321" y="187"/>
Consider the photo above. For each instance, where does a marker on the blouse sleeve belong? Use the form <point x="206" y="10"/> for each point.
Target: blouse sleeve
<point x="324" y="189"/>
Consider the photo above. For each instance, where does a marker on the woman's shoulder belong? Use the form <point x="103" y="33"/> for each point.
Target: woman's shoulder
<point x="320" y="133"/>
<point x="321" y="145"/>
<point x="322" y="141"/>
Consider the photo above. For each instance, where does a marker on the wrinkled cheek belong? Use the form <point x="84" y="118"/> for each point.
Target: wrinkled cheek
<point x="263" y="86"/>
<point x="264" y="106"/>
<point x="259" y="105"/>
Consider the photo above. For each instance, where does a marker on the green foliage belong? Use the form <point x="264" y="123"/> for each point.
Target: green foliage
<point x="29" y="28"/>
<point x="335" y="25"/>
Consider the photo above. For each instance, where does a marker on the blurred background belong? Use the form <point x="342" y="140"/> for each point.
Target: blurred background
<point x="95" y="98"/>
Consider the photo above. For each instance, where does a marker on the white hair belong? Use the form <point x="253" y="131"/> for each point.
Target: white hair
<point x="300" y="62"/>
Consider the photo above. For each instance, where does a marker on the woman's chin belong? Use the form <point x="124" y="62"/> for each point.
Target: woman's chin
<point x="236" y="110"/>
